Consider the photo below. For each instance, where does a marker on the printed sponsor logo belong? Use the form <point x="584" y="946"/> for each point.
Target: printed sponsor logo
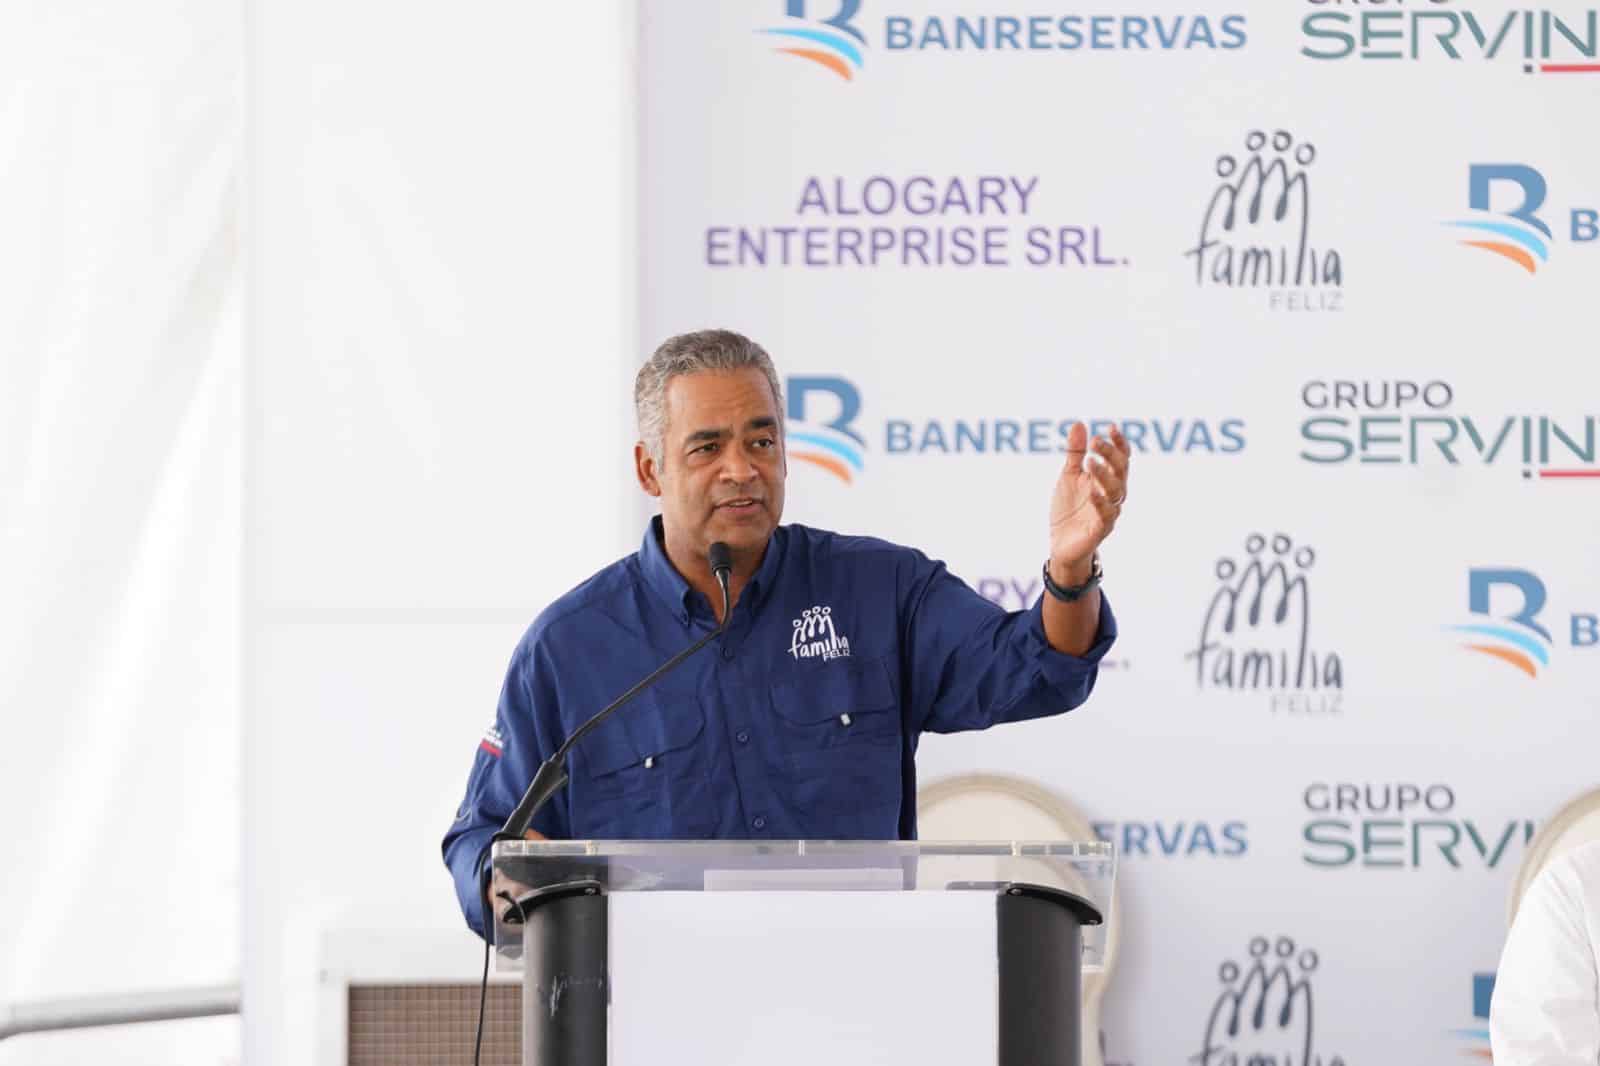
<point x="1256" y="634"/>
<point x="1403" y="826"/>
<point x="822" y="433"/>
<point x="1516" y="231"/>
<point x="1066" y="33"/>
<point x="838" y="44"/>
<point x="1176" y="839"/>
<point x="825" y="429"/>
<point x="1256" y="230"/>
<point x="834" y="43"/>
<point x="1473" y="1041"/>
<point x="1411" y="423"/>
<point x="914" y="222"/>
<point x="1504" y="605"/>
<point x="1539" y="40"/>
<point x="1263" y="1013"/>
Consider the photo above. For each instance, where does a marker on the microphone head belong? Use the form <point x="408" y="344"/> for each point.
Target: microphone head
<point x="721" y="557"/>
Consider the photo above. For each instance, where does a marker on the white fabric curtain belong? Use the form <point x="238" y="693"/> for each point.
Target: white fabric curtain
<point x="120" y="342"/>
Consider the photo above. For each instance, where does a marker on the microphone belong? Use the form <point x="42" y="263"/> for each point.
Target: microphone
<point x="721" y="558"/>
<point x="553" y="773"/>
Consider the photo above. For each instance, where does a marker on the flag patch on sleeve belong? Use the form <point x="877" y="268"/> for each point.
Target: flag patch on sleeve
<point x="492" y="742"/>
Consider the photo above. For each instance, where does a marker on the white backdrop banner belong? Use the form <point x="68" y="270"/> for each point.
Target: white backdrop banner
<point x="1327" y="267"/>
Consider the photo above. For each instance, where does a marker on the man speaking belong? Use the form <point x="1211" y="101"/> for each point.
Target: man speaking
<point x="801" y="720"/>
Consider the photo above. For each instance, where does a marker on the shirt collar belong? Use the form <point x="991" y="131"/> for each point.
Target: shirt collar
<point x="664" y="579"/>
<point x="659" y="573"/>
<point x="766" y="575"/>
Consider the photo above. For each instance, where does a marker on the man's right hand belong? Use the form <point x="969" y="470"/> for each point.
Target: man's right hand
<point x="500" y="884"/>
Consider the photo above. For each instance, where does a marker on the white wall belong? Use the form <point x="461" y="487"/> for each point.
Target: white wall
<point x="120" y="131"/>
<point x="438" y="432"/>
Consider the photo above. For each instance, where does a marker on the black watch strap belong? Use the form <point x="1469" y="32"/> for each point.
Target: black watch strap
<point x="1074" y="592"/>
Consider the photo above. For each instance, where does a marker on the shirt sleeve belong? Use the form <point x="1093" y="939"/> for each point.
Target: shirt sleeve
<point x="971" y="664"/>
<point x="503" y="765"/>
<point x="1545" y="1010"/>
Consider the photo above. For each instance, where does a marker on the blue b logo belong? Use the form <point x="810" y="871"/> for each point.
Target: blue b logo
<point x="832" y="43"/>
<point x="1480" y="581"/>
<point x="1519" y="235"/>
<point x="827" y="440"/>
<point x="841" y="21"/>
<point x="847" y="395"/>
<point x="1517" y="639"/>
<point x="1534" y="190"/>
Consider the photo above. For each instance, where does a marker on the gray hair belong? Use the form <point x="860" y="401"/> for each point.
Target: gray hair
<point x="692" y="353"/>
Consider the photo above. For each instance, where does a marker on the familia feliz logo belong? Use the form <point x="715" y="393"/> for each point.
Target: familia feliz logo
<point x="815" y="638"/>
<point x="1518" y="234"/>
<point x="1256" y="230"/>
<point x="917" y="221"/>
<point x="820" y="430"/>
<point x="1256" y="633"/>
<point x="1409" y="423"/>
<point x="837" y="43"/>
<point x="1544" y="41"/>
<point x="1263" y="1015"/>
<point x="1516" y="636"/>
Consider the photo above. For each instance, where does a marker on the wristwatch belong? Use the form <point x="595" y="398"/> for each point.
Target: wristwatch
<point x="1074" y="592"/>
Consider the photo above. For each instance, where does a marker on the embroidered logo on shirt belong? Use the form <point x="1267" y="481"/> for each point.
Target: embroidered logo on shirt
<point x="815" y="638"/>
<point x="492" y="741"/>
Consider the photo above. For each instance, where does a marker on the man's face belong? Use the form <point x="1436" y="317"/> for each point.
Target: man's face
<point x="722" y="469"/>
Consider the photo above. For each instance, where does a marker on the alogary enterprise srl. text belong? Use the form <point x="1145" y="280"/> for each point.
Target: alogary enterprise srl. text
<point x="908" y="246"/>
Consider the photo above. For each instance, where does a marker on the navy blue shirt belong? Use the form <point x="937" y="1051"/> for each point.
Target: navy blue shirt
<point x="800" y="722"/>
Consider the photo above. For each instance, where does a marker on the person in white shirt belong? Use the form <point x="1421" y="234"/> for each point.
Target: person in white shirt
<point x="1546" y="1006"/>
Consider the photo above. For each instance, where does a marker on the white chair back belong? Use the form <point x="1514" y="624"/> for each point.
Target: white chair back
<point x="1573" y="825"/>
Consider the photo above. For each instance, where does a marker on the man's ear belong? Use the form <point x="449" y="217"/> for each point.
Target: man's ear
<point x="644" y="468"/>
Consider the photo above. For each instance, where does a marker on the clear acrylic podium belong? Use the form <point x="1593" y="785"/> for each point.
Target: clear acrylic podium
<point x="726" y="953"/>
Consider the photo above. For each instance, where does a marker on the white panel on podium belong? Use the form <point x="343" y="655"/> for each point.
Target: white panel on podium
<point x="834" y="975"/>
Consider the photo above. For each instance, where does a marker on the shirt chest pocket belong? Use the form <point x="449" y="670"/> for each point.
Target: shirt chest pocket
<point x="641" y="775"/>
<point x="642" y="744"/>
<point x="838" y="704"/>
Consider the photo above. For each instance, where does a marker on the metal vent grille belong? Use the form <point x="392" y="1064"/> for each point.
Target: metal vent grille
<point x="433" y="1025"/>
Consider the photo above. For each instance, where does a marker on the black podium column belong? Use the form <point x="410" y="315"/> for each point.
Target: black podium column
<point x="565" y="993"/>
<point x="1040" y="932"/>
